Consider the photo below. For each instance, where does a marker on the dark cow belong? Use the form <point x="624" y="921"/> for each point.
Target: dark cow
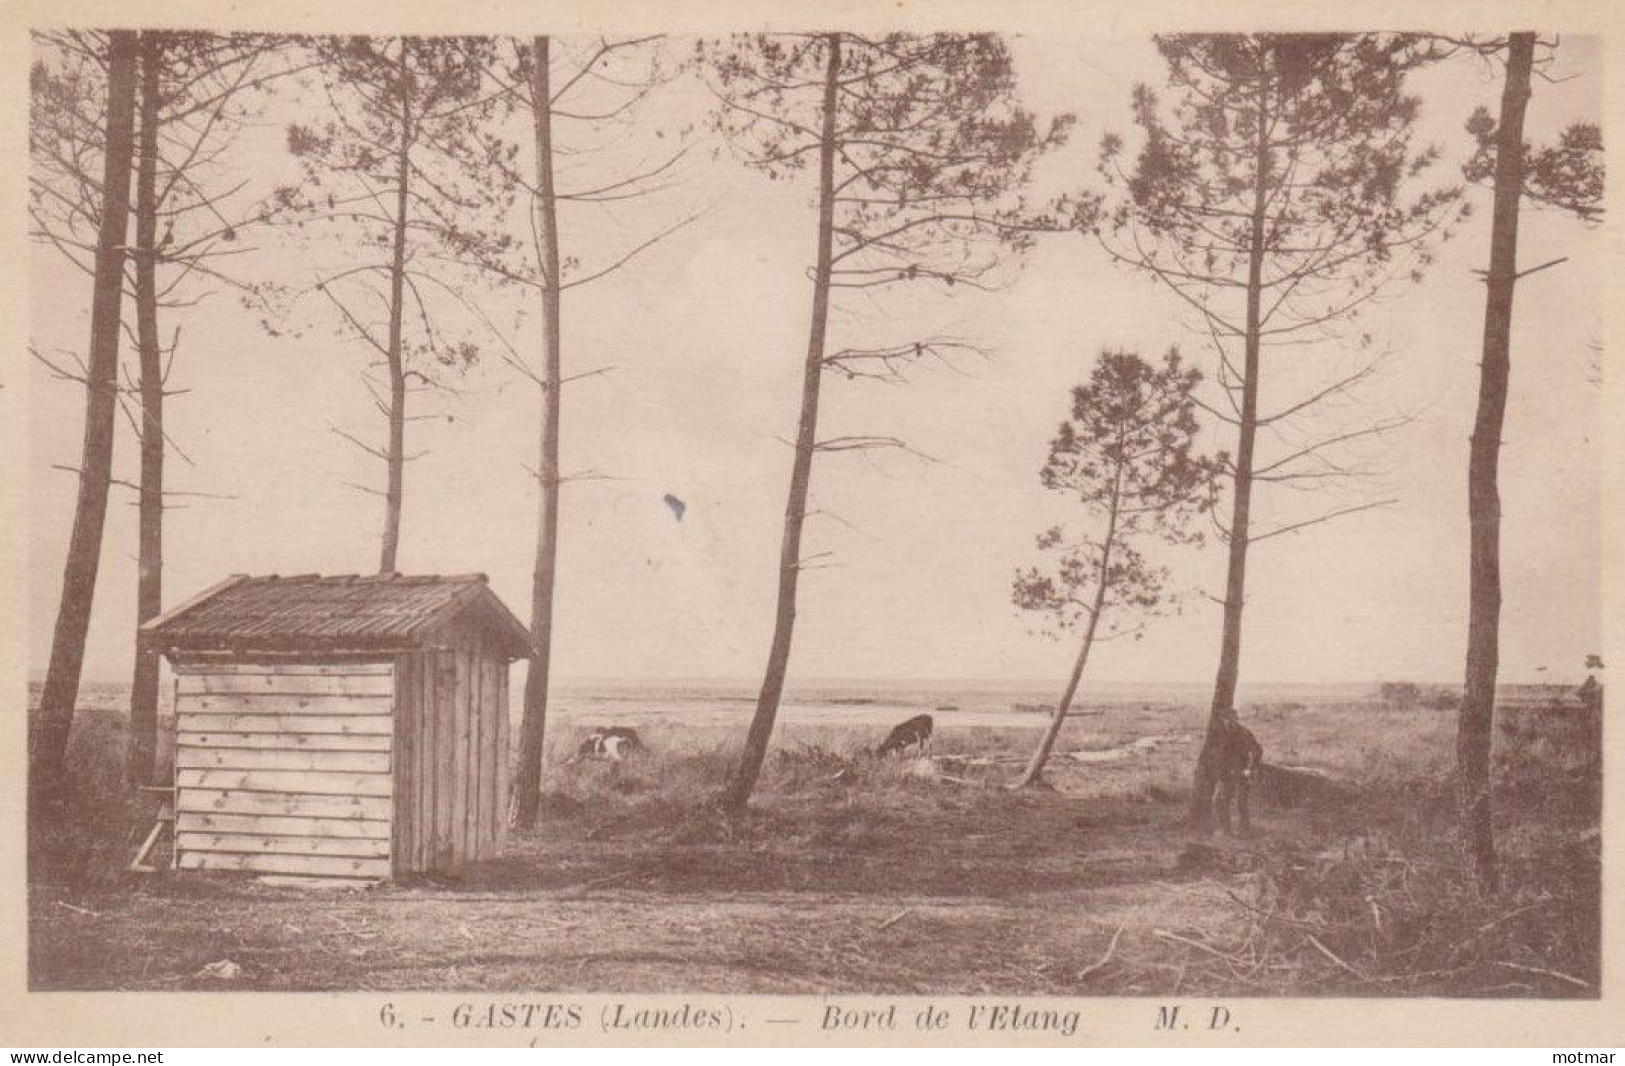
<point x="614" y="742"/>
<point x="1237" y="755"/>
<point x="916" y="730"/>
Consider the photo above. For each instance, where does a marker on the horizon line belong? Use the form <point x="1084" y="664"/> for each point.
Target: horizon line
<point x="751" y="680"/>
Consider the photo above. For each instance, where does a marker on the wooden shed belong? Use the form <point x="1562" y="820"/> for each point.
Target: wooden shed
<point x="340" y="727"/>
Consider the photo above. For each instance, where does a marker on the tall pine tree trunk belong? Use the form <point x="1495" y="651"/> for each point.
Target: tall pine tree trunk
<point x="150" y="560"/>
<point x="1475" y="727"/>
<point x="49" y="735"/>
<point x="739" y="789"/>
<point x="527" y="786"/>
<point x="1035" y="766"/>
<point x="396" y="358"/>
<point x="1235" y="590"/>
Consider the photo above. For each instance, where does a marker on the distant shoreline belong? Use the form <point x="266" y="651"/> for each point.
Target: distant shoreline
<point x="841" y="687"/>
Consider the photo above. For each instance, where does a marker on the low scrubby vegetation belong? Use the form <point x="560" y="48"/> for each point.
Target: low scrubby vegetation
<point x="634" y="881"/>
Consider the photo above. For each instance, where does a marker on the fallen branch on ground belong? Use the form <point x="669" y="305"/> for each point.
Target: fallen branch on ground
<point x="1546" y="973"/>
<point x="78" y="910"/>
<point x="1330" y="954"/>
<point x="1104" y="959"/>
<point x="893" y="920"/>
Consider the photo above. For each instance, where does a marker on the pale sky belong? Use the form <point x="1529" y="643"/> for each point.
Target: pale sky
<point x="707" y="333"/>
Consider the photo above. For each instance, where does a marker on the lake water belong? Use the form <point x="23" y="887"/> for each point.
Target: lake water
<point x="708" y="702"/>
<point x="965" y="703"/>
<point x="1010" y="704"/>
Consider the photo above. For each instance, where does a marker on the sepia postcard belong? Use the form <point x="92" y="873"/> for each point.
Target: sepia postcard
<point x="929" y="524"/>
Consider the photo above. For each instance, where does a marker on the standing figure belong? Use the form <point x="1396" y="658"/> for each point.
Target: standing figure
<point x="1239" y="755"/>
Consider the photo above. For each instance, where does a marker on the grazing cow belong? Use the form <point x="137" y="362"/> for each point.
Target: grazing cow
<point x="916" y="730"/>
<point x="1237" y="757"/>
<point x="613" y="742"/>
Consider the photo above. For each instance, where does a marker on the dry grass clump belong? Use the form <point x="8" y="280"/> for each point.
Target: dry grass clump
<point x="88" y="832"/>
<point x="850" y="872"/>
<point x="1390" y="905"/>
<point x="1375" y="917"/>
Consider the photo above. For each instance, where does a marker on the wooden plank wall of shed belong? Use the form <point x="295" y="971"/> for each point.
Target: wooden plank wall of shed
<point x="284" y="767"/>
<point x="474" y="759"/>
<point x="452" y="755"/>
<point x="492" y="749"/>
<point x="417" y="777"/>
<point x="404" y="818"/>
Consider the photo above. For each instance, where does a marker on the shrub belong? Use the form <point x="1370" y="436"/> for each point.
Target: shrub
<point x="1400" y="693"/>
<point x="91" y="833"/>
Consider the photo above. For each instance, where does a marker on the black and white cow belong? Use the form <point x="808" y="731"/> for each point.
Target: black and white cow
<point x="614" y="743"/>
<point x="915" y="731"/>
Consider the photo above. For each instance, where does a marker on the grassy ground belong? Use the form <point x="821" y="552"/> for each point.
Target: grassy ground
<point x="889" y="881"/>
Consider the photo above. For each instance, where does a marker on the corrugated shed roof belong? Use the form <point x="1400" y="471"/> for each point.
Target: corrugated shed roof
<point x="311" y="613"/>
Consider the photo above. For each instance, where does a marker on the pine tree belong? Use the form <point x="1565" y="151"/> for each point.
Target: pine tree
<point x="48" y="737"/>
<point x="195" y="93"/>
<point x="569" y="90"/>
<point x="1269" y="195"/>
<point x="1568" y="176"/>
<point x="1127" y="456"/>
<point x="408" y="167"/>
<point x="920" y="151"/>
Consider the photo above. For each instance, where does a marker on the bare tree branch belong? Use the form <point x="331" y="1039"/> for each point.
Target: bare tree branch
<point x="1320" y="518"/>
